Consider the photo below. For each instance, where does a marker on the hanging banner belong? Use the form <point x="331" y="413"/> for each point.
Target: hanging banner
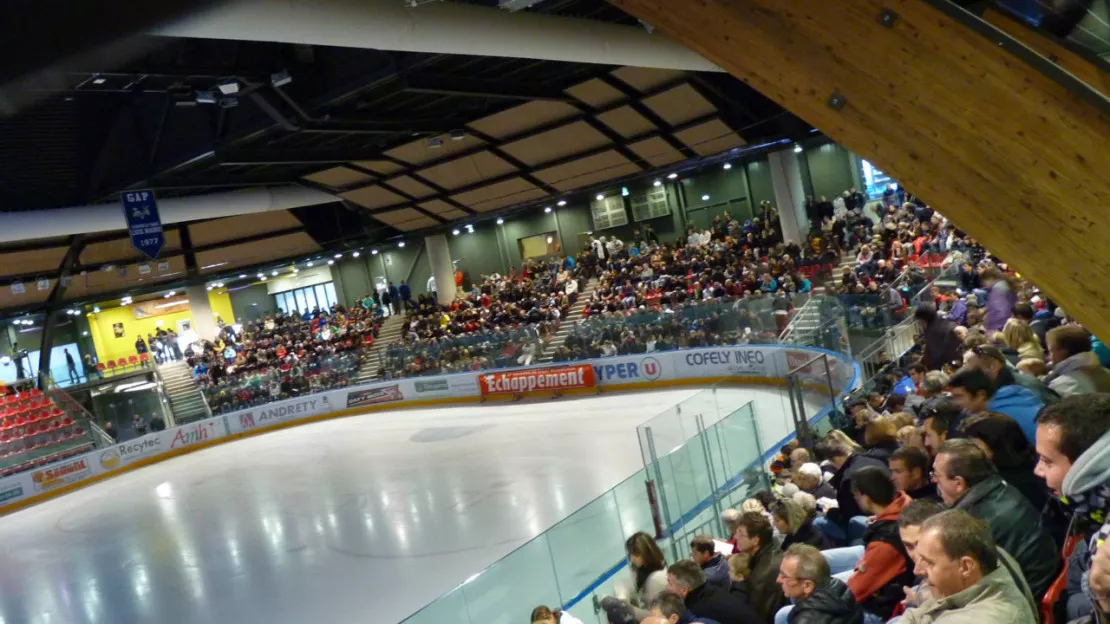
<point x="143" y="223"/>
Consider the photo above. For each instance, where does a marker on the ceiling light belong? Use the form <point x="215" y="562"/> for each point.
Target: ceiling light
<point x="672" y="176"/>
<point x="228" y="86"/>
<point x="308" y="264"/>
<point x="705" y="198"/>
<point x="401" y="245"/>
<point x="500" y="221"/>
<point x="242" y="276"/>
<point x="210" y="288"/>
<point x="657" y="183"/>
<point x="355" y="254"/>
<point x="206" y="97"/>
<point x="295" y="271"/>
<point x="728" y="166"/>
<point x="797" y="148"/>
<point x="549" y="239"/>
<point x="458" y="135"/>
<point x="600" y="197"/>
<point x="547" y="209"/>
<point x="85" y="333"/>
<point x="169" y="294"/>
<point x="469" y="228"/>
<point x="373" y="252"/>
<point x="229" y="102"/>
<point x="281" y="78"/>
<point x="274" y="272"/>
<point x="338" y="256"/>
<point x="262" y="276"/>
<point x="96" y="309"/>
<point x="455" y="232"/>
<point x="435" y="143"/>
<point x="331" y="262"/>
<point x="99" y="81"/>
<point x="562" y="202"/>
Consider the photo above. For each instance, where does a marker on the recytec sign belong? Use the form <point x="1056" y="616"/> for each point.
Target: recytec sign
<point x="435" y="385"/>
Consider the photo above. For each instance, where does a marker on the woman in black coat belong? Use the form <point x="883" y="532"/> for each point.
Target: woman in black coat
<point x="796" y="526"/>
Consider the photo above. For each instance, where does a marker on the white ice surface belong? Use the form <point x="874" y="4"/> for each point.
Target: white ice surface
<point x="360" y="519"/>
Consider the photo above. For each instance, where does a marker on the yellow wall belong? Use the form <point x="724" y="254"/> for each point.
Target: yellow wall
<point x="221" y="307"/>
<point x="108" y="347"/>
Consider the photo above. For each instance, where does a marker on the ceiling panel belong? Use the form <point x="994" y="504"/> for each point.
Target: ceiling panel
<point x="597" y="168"/>
<point x="680" y="104"/>
<point x="373" y="197"/>
<point x="645" y="78"/>
<point x="626" y="122"/>
<point x="121" y="249"/>
<point x="384" y="167"/>
<point x="454" y="214"/>
<point x="268" y="250"/>
<point x="417" y="224"/>
<point x="596" y="93"/>
<point x="418" y="152"/>
<point x="656" y="151"/>
<point x="499" y="195"/>
<point x="711" y="137"/>
<point x="467" y="170"/>
<point x="524" y="117"/>
<point x="393" y="217"/>
<point x="405" y="184"/>
<point x="31" y="261"/>
<point x="437" y="206"/>
<point x="96" y="282"/>
<point x="31" y="295"/>
<point x="240" y="226"/>
<point x="339" y="177"/>
<point x="572" y="138"/>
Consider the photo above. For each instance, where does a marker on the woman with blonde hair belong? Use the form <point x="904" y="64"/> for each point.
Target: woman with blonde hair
<point x="1020" y="337"/>
<point x="796" y="526"/>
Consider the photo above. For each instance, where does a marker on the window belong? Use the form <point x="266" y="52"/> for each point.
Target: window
<point x="308" y="298"/>
<point x="653" y="203"/>
<point x="875" y="180"/>
<point x="608" y="212"/>
<point x="540" y="246"/>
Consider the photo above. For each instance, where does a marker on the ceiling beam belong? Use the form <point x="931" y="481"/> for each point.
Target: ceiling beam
<point x="464" y="86"/>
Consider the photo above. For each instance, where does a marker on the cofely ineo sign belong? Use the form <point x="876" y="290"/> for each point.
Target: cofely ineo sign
<point x="143" y="223"/>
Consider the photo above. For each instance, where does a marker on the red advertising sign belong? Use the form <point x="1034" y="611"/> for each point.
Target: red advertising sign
<point x="561" y="378"/>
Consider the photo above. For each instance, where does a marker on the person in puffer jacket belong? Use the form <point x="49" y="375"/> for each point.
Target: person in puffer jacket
<point x="1075" y="368"/>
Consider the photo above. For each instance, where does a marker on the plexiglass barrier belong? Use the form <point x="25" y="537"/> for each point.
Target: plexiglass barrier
<point x="580" y="560"/>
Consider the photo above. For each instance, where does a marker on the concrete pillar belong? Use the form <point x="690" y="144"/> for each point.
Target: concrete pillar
<point x="204" y="322"/>
<point x="439" y="257"/>
<point x="786" y="177"/>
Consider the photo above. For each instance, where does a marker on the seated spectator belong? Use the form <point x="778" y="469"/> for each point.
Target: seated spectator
<point x="686" y="579"/>
<point x="939" y="422"/>
<point x="809" y="478"/>
<point x="739" y="569"/>
<point x="908" y="385"/>
<point x="796" y="527"/>
<point x="880" y="438"/>
<point x="991" y="361"/>
<point x="649" y="578"/>
<point x="818" y="597"/>
<point x="544" y="615"/>
<point x="974" y="392"/>
<point x="956" y="555"/>
<point x="730" y="519"/>
<point x="967" y="480"/>
<point x="1075" y="368"/>
<point x="754" y="537"/>
<point x="940" y="341"/>
<point x="1020" y="337"/>
<point x="909" y="469"/>
<point x="703" y="552"/>
<point x="837" y="524"/>
<point x="1001" y="439"/>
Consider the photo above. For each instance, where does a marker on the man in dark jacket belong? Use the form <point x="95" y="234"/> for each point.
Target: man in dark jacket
<point x="818" y="598"/>
<point x="715" y="566"/>
<point x="968" y="480"/>
<point x="686" y="579"/>
<point x="991" y="361"/>
<point x="838" y="523"/>
<point x="942" y="345"/>
<point x="755" y="536"/>
<point x="669" y="608"/>
<point x="406" y="296"/>
<point x="394" y="297"/>
<point x="909" y="469"/>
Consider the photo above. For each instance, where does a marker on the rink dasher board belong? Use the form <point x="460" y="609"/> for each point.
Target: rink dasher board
<point x="753" y="364"/>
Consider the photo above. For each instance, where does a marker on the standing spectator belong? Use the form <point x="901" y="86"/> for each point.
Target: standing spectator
<point x="157" y="423"/>
<point x="71" y="365"/>
<point x="712" y="563"/>
<point x="845" y="524"/>
<point x="909" y="469"/>
<point x="818" y="597"/>
<point x="394" y="297"/>
<point x="1075" y="368"/>
<point x="386" y="300"/>
<point x="139" y="425"/>
<point x="140" y="346"/>
<point x="968" y="480"/>
<point x="703" y="600"/>
<point x="406" y="296"/>
<point x="110" y="429"/>
<point x="942" y="345"/>
<point x="755" y="537"/>
<point x="1001" y="299"/>
<point x="975" y="393"/>
<point x="957" y="556"/>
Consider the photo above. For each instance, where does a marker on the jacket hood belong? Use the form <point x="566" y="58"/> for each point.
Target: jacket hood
<point x="1090" y="469"/>
<point x="834" y="599"/>
<point x="1012" y="396"/>
<point x="1086" y="359"/>
<point x="895" y="508"/>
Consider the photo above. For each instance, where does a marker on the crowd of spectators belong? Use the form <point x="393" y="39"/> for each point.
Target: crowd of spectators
<point x="281" y="356"/>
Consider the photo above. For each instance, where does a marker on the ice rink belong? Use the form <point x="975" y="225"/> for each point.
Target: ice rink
<point x="359" y="519"/>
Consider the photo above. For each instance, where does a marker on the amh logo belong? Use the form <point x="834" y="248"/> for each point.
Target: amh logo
<point x="109" y="459"/>
<point x="650" y="368"/>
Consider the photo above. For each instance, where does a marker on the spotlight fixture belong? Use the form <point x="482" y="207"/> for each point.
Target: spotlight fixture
<point x="206" y="97"/>
<point x="242" y="276"/>
<point x="728" y="166"/>
<point x="673" y="176"/>
<point x="261" y="276"/>
<point x="355" y="254"/>
<point x="373" y="252"/>
<point x="600" y="197"/>
<point x="401" y="245"/>
<point x="562" y="202"/>
<point x="99" y="81"/>
<point x="338" y="256"/>
<point x="547" y="209"/>
<point x="169" y="294"/>
<point x="228" y="86"/>
<point x="469" y="228"/>
<point x="295" y="271"/>
<point x="500" y="221"/>
<point x="331" y="262"/>
<point x="797" y="148"/>
<point x="308" y="264"/>
<point x="455" y="231"/>
<point x="85" y="333"/>
<point x="281" y="78"/>
<point x="96" y="309"/>
<point x="274" y="272"/>
<point x="657" y="183"/>
<point x="705" y="198"/>
<point x="549" y="240"/>
<point x="210" y="288"/>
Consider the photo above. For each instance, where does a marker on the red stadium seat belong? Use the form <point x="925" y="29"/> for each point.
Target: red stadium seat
<point x="35" y="392"/>
<point x="100" y="367"/>
<point x="144" y="357"/>
<point x="121" y="362"/>
<point x="133" y="360"/>
<point x="1058" y="586"/>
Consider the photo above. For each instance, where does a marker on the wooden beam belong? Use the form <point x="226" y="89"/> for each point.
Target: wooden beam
<point x="1007" y="152"/>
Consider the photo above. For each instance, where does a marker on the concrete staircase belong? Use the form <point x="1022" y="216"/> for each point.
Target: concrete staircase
<point x="568" y="322"/>
<point x="185" y="398"/>
<point x="389" y="333"/>
<point x="807" y="319"/>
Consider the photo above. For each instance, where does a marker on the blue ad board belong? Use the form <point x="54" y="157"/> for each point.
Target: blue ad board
<point x="143" y="223"/>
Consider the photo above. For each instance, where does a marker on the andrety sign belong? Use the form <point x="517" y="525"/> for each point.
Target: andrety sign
<point x="268" y="415"/>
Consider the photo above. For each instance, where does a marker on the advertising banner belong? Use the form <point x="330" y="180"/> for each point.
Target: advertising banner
<point x="742" y="361"/>
<point x="62" y="473"/>
<point x="372" y="396"/>
<point x="277" y="412"/>
<point x="560" y="378"/>
<point x="632" y="368"/>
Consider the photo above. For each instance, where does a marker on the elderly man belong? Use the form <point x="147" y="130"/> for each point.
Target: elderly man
<point x="818" y="597"/>
<point x="703" y="600"/>
<point x="957" y="556"/>
<point x="809" y="479"/>
<point x="669" y="608"/>
<point x="967" y="479"/>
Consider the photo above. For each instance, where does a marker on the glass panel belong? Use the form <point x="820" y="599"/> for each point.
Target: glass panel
<point x="512" y="586"/>
<point x="589" y="540"/>
<point x="321" y="296"/>
<point x="302" y="303"/>
<point x="329" y="290"/>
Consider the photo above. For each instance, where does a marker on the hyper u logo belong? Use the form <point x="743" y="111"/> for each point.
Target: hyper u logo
<point x="648" y="368"/>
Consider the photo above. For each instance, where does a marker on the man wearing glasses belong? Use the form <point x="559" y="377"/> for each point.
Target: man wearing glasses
<point x="818" y="597"/>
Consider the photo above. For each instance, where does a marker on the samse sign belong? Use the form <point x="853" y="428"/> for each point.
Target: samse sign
<point x="561" y="378"/>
